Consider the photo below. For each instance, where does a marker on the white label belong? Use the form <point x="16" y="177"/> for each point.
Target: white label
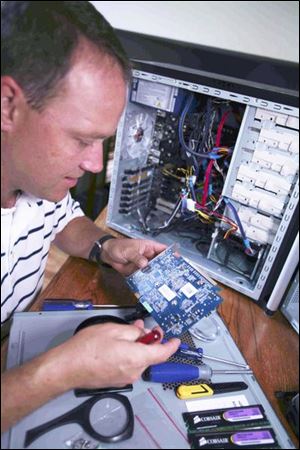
<point x="188" y="290"/>
<point x="216" y="403"/>
<point x="167" y="292"/>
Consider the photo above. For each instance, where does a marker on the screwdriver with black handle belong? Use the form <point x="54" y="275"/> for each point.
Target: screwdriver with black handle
<point x="171" y="372"/>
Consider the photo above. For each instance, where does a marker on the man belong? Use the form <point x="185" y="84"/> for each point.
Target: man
<point x="63" y="89"/>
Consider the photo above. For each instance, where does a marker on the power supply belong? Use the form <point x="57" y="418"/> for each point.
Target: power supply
<point x="211" y="163"/>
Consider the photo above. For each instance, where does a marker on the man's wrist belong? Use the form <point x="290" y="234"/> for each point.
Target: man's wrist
<point x="97" y="249"/>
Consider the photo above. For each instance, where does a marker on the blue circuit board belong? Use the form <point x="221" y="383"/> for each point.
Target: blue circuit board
<point x="175" y="294"/>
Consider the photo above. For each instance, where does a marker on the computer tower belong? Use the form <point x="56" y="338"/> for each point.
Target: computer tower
<point x="210" y="162"/>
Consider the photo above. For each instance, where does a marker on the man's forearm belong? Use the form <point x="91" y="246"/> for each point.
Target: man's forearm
<point x="124" y="255"/>
<point x="103" y="355"/>
<point x="26" y="388"/>
<point x="78" y="237"/>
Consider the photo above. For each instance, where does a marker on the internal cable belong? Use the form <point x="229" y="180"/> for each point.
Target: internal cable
<point x="220" y="128"/>
<point x="246" y="241"/>
<point x="187" y="148"/>
<point x="206" y="182"/>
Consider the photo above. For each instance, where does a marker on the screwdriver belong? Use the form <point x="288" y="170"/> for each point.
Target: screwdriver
<point x="150" y="338"/>
<point x="68" y="305"/>
<point x="169" y="372"/>
<point x="186" y="351"/>
<point x="202" y="390"/>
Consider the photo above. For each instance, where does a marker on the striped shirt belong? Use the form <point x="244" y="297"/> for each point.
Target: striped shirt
<point x="27" y="231"/>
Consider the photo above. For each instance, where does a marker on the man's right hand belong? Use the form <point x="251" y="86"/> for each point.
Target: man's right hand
<point x="98" y="356"/>
<point x="107" y="355"/>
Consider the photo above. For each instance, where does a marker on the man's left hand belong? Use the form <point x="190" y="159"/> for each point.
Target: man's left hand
<point x="129" y="255"/>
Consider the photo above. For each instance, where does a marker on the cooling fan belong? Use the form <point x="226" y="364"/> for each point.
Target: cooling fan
<point x="139" y="135"/>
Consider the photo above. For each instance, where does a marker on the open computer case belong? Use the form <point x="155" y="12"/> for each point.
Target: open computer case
<point x="207" y="155"/>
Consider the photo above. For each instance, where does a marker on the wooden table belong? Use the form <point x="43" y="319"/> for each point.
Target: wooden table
<point x="269" y="344"/>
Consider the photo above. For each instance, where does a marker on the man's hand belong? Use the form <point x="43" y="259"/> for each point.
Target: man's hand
<point x="128" y="255"/>
<point x="107" y="355"/>
<point x="124" y="255"/>
<point x="98" y="356"/>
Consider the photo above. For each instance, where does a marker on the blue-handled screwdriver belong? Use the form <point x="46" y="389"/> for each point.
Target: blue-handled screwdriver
<point x="169" y="372"/>
<point x="68" y="305"/>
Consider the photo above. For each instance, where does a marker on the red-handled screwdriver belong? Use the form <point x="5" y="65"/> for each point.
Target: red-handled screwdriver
<point x="150" y="338"/>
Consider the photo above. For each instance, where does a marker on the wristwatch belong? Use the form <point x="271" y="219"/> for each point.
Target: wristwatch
<point x="95" y="253"/>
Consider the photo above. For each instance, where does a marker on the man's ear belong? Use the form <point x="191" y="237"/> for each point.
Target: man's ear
<point x="12" y="98"/>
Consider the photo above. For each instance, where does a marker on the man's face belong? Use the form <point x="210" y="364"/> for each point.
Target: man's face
<point x="50" y="150"/>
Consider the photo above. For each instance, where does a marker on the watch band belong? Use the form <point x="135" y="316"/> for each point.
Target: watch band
<point x="95" y="253"/>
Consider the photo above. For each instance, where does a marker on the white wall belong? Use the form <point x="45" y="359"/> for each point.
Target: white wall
<point x="265" y="28"/>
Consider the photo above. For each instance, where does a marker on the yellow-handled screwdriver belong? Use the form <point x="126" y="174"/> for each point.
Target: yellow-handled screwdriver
<point x="203" y="390"/>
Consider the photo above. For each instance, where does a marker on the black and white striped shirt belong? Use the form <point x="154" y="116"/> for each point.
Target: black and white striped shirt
<point x="27" y="231"/>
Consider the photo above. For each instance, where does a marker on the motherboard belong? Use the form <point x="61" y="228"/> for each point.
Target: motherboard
<point x="175" y="294"/>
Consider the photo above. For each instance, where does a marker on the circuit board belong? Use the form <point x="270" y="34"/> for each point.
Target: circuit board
<point x="175" y="294"/>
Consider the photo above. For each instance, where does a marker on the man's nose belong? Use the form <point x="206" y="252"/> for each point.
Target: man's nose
<point x="93" y="160"/>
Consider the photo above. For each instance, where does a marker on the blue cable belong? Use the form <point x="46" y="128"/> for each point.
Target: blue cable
<point x="181" y="122"/>
<point x="180" y="132"/>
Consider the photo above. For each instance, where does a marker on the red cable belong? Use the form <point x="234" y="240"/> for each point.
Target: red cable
<point x="211" y="162"/>
<point x="206" y="182"/>
<point x="220" y="128"/>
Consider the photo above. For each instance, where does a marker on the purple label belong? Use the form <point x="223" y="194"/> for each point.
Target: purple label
<point x="235" y="415"/>
<point x="252" y="437"/>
